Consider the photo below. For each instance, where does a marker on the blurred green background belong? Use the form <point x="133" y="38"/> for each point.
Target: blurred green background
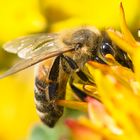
<point x="18" y="118"/>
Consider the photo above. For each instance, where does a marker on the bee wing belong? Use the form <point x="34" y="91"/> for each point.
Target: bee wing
<point x="34" y="49"/>
<point x="28" y="46"/>
<point x="25" y="63"/>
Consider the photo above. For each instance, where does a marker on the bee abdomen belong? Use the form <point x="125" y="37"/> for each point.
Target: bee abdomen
<point x="48" y="112"/>
<point x="47" y="91"/>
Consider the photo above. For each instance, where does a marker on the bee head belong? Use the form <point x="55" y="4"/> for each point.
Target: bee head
<point x="83" y="36"/>
<point x="109" y="47"/>
<point x="91" y="44"/>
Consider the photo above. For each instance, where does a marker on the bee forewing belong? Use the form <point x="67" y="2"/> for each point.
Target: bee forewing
<point x="23" y="64"/>
<point x="44" y="46"/>
<point x="27" y="45"/>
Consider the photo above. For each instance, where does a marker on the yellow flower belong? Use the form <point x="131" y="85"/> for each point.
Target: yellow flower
<point x="117" y="117"/>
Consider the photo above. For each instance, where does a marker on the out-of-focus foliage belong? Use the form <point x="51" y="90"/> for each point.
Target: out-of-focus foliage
<point x="98" y="13"/>
<point x="21" y="17"/>
<point x="17" y="112"/>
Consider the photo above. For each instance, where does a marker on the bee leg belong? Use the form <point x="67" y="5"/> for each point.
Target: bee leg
<point x="75" y="67"/>
<point x="81" y="94"/>
<point x="50" y="84"/>
<point x="99" y="60"/>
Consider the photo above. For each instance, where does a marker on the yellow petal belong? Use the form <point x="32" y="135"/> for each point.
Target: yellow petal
<point x="123" y="44"/>
<point x="82" y="106"/>
<point x="127" y="34"/>
<point x="136" y="62"/>
<point x="81" y="132"/>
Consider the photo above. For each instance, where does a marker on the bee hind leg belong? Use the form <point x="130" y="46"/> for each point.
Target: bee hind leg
<point x="47" y="91"/>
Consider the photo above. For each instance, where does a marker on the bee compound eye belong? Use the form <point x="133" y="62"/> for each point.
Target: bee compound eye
<point x="106" y="48"/>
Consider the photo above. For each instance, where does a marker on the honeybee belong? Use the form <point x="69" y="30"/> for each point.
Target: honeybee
<point x="59" y="57"/>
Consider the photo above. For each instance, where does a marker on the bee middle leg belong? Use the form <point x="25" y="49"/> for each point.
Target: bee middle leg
<point x="81" y="75"/>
